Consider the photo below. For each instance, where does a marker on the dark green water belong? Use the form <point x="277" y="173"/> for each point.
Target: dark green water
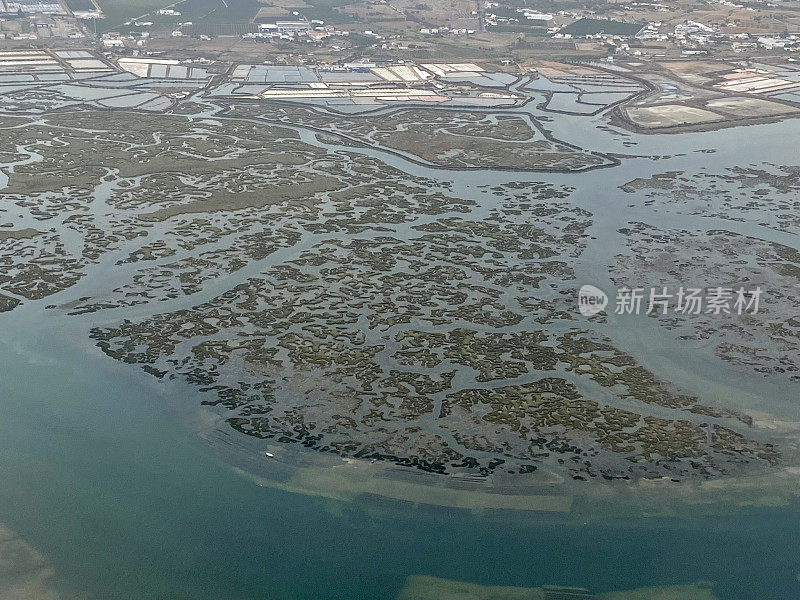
<point x="95" y="475"/>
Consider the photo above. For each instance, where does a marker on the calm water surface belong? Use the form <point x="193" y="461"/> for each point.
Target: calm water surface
<point x="99" y="472"/>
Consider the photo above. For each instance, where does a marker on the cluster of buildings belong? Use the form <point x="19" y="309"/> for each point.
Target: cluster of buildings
<point x="33" y="8"/>
<point x="446" y="31"/>
<point x="697" y="38"/>
<point x="43" y="7"/>
<point x="40" y="26"/>
<point x="521" y="15"/>
<point x="691" y="37"/>
<point x="309" y="31"/>
<point x="312" y="31"/>
<point x="41" y="19"/>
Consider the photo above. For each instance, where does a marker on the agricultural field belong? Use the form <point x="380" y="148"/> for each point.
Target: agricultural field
<point x="585" y="26"/>
<point x="118" y="12"/>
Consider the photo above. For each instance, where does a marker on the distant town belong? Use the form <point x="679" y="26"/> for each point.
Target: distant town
<point x="512" y="30"/>
<point x="659" y="66"/>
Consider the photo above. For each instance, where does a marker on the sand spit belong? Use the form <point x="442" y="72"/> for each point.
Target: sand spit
<point x="422" y="587"/>
<point x="25" y="573"/>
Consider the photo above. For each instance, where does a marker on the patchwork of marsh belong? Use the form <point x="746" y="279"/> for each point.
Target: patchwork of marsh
<point x="340" y="298"/>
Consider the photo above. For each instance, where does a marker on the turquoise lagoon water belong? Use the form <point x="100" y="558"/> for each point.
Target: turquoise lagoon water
<point x="97" y="473"/>
<point x="100" y="470"/>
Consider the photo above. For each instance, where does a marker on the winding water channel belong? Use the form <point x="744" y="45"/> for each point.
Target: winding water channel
<point x="109" y="474"/>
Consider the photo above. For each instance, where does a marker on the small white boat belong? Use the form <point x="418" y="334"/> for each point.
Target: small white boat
<point x="269" y="455"/>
